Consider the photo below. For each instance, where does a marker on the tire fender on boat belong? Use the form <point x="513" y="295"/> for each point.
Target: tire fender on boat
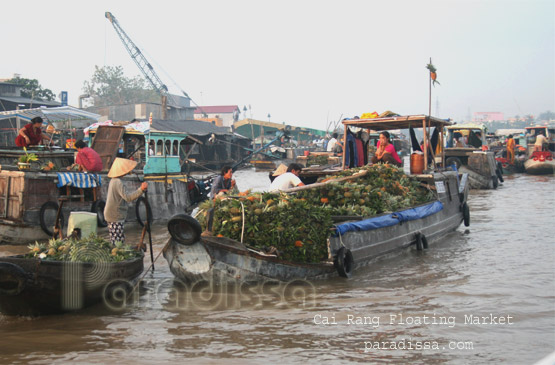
<point x="466" y="214"/>
<point x="499" y="171"/>
<point x="184" y="229"/>
<point x="421" y="241"/>
<point x="12" y="279"/>
<point x="98" y="208"/>
<point x="50" y="205"/>
<point x="495" y="181"/>
<point x="343" y="262"/>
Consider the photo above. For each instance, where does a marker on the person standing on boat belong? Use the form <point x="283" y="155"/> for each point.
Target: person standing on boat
<point x="115" y="211"/>
<point x="287" y="180"/>
<point x="31" y="134"/>
<point x="540" y="141"/>
<point x="87" y="159"/>
<point x="511" y="149"/>
<point x="333" y="143"/>
<point x="223" y="183"/>
<point x="385" y="152"/>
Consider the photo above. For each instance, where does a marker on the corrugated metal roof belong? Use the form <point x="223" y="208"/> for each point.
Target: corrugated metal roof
<point x="59" y="114"/>
<point x="192" y="127"/>
<point x="216" y="109"/>
<point x="22" y="100"/>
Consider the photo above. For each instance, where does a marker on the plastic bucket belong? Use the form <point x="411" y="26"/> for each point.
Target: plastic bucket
<point x="416" y="163"/>
<point x="86" y="221"/>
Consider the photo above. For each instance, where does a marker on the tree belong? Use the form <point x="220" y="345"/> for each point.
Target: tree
<point x="32" y="89"/>
<point x="548" y="115"/>
<point x="109" y="86"/>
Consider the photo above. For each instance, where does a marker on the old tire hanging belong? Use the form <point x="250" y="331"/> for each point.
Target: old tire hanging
<point x="45" y="224"/>
<point x="418" y="241"/>
<point x="12" y="279"/>
<point x="98" y="208"/>
<point x="453" y="161"/>
<point x="495" y="181"/>
<point x="424" y="241"/>
<point x="466" y="215"/>
<point x="499" y="172"/>
<point x="343" y="262"/>
<point x="184" y="229"/>
<point x="142" y="201"/>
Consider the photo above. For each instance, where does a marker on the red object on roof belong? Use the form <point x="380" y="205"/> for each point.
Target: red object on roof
<point x="216" y="109"/>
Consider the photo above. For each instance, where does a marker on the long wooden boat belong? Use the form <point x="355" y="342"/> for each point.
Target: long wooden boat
<point x="195" y="257"/>
<point x="29" y="199"/>
<point x="34" y="286"/>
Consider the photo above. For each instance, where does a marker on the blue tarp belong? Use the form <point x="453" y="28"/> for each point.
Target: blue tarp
<point x="390" y="219"/>
<point x="78" y="179"/>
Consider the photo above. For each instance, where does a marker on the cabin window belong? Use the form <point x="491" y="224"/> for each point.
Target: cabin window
<point x="175" y="151"/>
<point x="168" y="150"/>
<point x="159" y="148"/>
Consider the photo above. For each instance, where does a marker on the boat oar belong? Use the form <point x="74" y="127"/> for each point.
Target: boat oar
<point x="147" y="225"/>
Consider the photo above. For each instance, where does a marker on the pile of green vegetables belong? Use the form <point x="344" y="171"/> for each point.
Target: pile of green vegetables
<point x="299" y="224"/>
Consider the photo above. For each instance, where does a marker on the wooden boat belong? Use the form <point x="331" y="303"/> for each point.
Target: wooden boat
<point x="195" y="257"/>
<point x="474" y="158"/>
<point x="34" y="286"/>
<point x="540" y="163"/>
<point x="30" y="198"/>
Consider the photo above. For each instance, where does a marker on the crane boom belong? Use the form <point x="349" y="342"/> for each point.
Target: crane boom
<point x="138" y="57"/>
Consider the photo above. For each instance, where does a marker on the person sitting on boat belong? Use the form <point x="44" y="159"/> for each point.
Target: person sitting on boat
<point x="87" y="159"/>
<point x="287" y="180"/>
<point x="511" y="149"/>
<point x="31" y="134"/>
<point x="540" y="141"/>
<point x="459" y="141"/>
<point x="223" y="183"/>
<point x="385" y="152"/>
<point x="115" y="210"/>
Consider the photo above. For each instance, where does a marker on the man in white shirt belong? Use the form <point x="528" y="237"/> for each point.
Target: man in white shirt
<point x="287" y="180"/>
<point x="540" y="141"/>
<point x="332" y="142"/>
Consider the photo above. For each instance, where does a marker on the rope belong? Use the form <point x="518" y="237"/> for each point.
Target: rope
<point x="243" y="220"/>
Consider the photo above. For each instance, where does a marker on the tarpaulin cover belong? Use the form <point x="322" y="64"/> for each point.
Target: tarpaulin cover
<point x="78" y="179"/>
<point x="390" y="219"/>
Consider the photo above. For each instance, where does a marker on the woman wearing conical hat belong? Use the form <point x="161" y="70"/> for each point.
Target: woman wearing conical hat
<point x="115" y="211"/>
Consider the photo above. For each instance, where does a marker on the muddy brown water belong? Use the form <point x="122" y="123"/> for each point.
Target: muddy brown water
<point x="485" y="294"/>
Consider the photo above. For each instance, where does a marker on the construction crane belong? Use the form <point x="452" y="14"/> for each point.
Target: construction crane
<point x="141" y="62"/>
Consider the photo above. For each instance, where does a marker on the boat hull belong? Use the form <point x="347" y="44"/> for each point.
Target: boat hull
<point x="34" y="287"/>
<point x="539" y="167"/>
<point x="224" y="260"/>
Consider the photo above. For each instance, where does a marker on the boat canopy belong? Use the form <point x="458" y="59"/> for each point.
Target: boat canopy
<point x="53" y="115"/>
<point x="399" y="122"/>
<point x="467" y="126"/>
<point x="402" y="122"/>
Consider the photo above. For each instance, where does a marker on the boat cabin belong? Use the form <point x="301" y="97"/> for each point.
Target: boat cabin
<point x="411" y="122"/>
<point x="532" y="133"/>
<point x="466" y="136"/>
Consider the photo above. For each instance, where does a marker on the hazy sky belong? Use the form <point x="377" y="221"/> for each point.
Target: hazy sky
<point x="303" y="62"/>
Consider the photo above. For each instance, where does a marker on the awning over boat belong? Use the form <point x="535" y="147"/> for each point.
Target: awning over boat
<point x="58" y="114"/>
<point x="397" y="122"/>
<point x="389" y="219"/>
<point x="78" y="179"/>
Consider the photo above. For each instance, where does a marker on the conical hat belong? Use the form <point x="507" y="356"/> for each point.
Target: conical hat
<point x="280" y="170"/>
<point x="121" y="166"/>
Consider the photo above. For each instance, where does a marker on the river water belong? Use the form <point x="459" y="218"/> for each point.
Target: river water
<point x="485" y="294"/>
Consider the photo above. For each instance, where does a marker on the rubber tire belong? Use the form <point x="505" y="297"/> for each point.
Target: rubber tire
<point x="184" y="229"/>
<point x="419" y="241"/>
<point x="17" y="273"/>
<point x="143" y="200"/>
<point x="453" y="161"/>
<point x="466" y="215"/>
<point x="344" y="262"/>
<point x="98" y="208"/>
<point x="499" y="172"/>
<point x="54" y="206"/>
<point x="424" y="241"/>
<point x="495" y="181"/>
